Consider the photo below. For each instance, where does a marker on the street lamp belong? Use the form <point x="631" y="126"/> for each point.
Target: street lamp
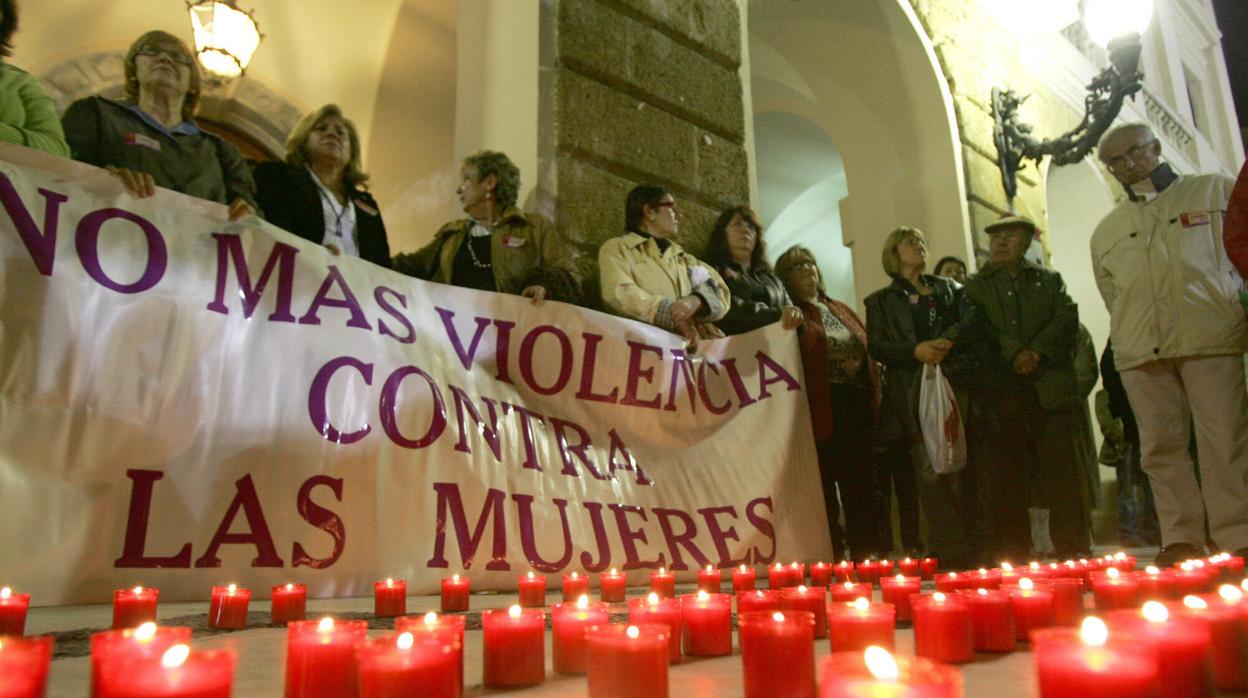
<point x="225" y="38"/>
<point x="1115" y="24"/>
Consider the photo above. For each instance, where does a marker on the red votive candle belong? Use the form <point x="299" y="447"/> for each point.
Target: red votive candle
<point x="627" y="660"/>
<point x="984" y="579"/>
<point x="1111" y="590"/>
<point x="455" y="590"/>
<point x="13" y="609"/>
<point x="177" y="673"/>
<point x="1182" y="643"/>
<point x="883" y="568"/>
<point x="844" y="571"/>
<point x="1227" y="633"/>
<point x="228" y="608"/>
<point x="852" y="627"/>
<point x="135" y="606"/>
<point x="575" y="586"/>
<point x="24" y="665"/>
<point x="777" y="576"/>
<point x="1007" y="574"/>
<point x="743" y="579"/>
<point x="797" y="573"/>
<point x="320" y="657"/>
<point x="708" y="580"/>
<point x="1032" y="607"/>
<point x="1230" y="567"/>
<point x="777" y="653"/>
<point x="663" y="583"/>
<point x="942" y="628"/>
<point x="928" y="567"/>
<point x="447" y="631"/>
<point x="908" y="567"/>
<point x="532" y="590"/>
<point x="568" y="624"/>
<point x="706" y="624"/>
<point x="1156" y="584"/>
<point x="117" y="648"/>
<point x="612" y="586"/>
<point x="514" y="647"/>
<point x="1068" y="608"/>
<point x="408" y="664"/>
<point x="656" y="609"/>
<point x="950" y="582"/>
<point x="1192" y="579"/>
<point x="992" y="620"/>
<point x="288" y="602"/>
<point x="810" y="599"/>
<point x="848" y="591"/>
<point x="1084" y="663"/>
<point x="390" y="598"/>
<point x="897" y="591"/>
<point x="820" y="574"/>
<point x="757" y="600"/>
<point x="1122" y="562"/>
<point x="876" y="673"/>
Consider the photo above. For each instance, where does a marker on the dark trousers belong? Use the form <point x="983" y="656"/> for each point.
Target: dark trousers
<point x="1029" y="461"/>
<point x="847" y="464"/>
<point x="1137" y="514"/>
<point x="896" y="475"/>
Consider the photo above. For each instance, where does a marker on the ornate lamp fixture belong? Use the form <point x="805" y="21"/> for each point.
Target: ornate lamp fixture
<point x="225" y="38"/>
<point x="1115" y="24"/>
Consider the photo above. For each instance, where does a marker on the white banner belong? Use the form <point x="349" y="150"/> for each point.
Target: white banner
<point x="186" y="402"/>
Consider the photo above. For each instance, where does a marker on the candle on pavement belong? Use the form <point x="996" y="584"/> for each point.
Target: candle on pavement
<point x="992" y="620"/>
<point x="876" y="673"/>
<point x="135" y="606"/>
<point x="390" y="598"/>
<point x="228" y="608"/>
<point x="656" y="609"/>
<point x="320" y="656"/>
<point x="532" y="590"/>
<point x="288" y="602"/>
<point x="897" y="591"/>
<point x="743" y="579"/>
<point x="706" y="624"/>
<point x="575" y="586"/>
<point x="854" y="626"/>
<point x="455" y="592"/>
<point x="407" y="664"/>
<point x="1182" y="643"/>
<point x="13" y="608"/>
<point x="514" y="647"/>
<point x="709" y="580"/>
<point x="942" y="628"/>
<point x="116" y="648"/>
<point x="568" y="624"/>
<point x="1083" y="664"/>
<point x="24" y="665"/>
<point x="663" y="583"/>
<point x="627" y="660"/>
<point x="810" y="599"/>
<point x="612" y="586"/>
<point x="1033" y="608"/>
<point x="777" y="653"/>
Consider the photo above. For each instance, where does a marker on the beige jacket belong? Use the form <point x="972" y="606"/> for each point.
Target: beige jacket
<point x="519" y="243"/>
<point x="640" y="283"/>
<point x="1161" y="267"/>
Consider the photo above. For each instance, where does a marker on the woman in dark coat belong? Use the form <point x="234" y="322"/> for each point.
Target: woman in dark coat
<point x="842" y="387"/>
<point x="736" y="251"/>
<point x="924" y="319"/>
<point x="318" y="193"/>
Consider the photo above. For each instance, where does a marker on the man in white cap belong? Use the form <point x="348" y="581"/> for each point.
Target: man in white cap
<point x="1179" y="335"/>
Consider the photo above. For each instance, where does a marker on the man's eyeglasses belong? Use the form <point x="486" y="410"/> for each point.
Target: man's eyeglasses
<point x="152" y="51"/>
<point x="668" y="204"/>
<point x="1119" y="163"/>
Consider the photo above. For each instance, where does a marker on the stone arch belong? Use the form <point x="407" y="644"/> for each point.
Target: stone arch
<point x="249" y="109"/>
<point x="865" y="73"/>
<point x="1077" y="198"/>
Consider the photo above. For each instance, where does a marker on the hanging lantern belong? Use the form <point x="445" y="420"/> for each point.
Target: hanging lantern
<point x="225" y="37"/>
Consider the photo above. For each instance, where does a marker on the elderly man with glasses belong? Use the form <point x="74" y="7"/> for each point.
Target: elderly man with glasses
<point x="1179" y="335"/>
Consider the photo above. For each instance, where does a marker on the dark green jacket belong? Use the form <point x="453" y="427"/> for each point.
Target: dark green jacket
<point x="1042" y="316"/>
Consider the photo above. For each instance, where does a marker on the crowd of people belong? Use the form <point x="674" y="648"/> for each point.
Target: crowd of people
<point x="1007" y="338"/>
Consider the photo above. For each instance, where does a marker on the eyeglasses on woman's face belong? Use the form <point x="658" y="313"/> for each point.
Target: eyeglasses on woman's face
<point x="175" y="55"/>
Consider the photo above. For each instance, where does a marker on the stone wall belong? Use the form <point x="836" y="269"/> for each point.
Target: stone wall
<point x="645" y="91"/>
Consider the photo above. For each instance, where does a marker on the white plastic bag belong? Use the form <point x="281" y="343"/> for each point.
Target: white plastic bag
<point x="941" y="421"/>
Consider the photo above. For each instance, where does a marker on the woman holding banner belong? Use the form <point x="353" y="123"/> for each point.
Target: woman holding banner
<point x="149" y="139"/>
<point x="497" y="247"/>
<point x="318" y="193"/>
<point x="646" y="276"/>
<point x="757" y="295"/>
<point x="923" y="319"/>
<point x="842" y="387"/>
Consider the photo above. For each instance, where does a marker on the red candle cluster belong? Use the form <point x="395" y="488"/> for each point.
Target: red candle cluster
<point x="657" y="610"/>
<point x="777" y="653"/>
<point x="855" y="626"/>
<point x="568" y="625"/>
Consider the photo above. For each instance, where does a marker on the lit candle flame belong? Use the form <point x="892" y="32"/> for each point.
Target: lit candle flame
<point x="231" y="589"/>
<point x="389" y="582"/>
<point x="662" y="570"/>
<point x="431" y="618"/>
<point x="793" y="565"/>
<point x="1034" y="566"/>
<point x="514" y="611"/>
<point x="290" y="587"/>
<point x="1194" y="602"/>
<point x="1155" y="612"/>
<point x="1007" y="567"/>
<point x="455" y="578"/>
<point x="1230" y="594"/>
<point x="938" y="597"/>
<point x="326" y="625"/>
<point x="1152" y="571"/>
<point x="742" y="569"/>
<point x="881" y="664"/>
<point x="861" y="604"/>
<point x="145" y="632"/>
<point x="1025" y="584"/>
<point x="582" y="602"/>
<point x="138" y="590"/>
<point x="633" y="632"/>
<point x="1120" y="555"/>
<point x="900" y="578"/>
<point x="703" y="597"/>
<point x="1242" y="585"/>
<point x="530" y="575"/>
<point x="1093" y="631"/>
<point x="778" y="617"/>
<point x="982" y="591"/>
<point x="175" y="656"/>
<point x="801" y="588"/>
<point x="779" y="566"/>
<point x="5" y="593"/>
<point x="907" y="560"/>
<point x="1187" y="566"/>
<point x="405" y="641"/>
<point x="709" y="569"/>
<point x="983" y="572"/>
<point x="574" y="575"/>
<point x="848" y="585"/>
<point x="953" y="575"/>
<point x="653" y="599"/>
<point x="1112" y="573"/>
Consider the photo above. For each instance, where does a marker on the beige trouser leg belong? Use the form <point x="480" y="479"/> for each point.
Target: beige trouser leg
<point x="1211" y="391"/>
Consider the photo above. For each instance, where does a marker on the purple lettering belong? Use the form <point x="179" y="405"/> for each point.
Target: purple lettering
<point x="580" y="449"/>
<point x="489" y="433"/>
<point x="379" y="295"/>
<point x="565" y="359"/>
<point x="134" y="553"/>
<point x="636" y="374"/>
<point x="230" y="249"/>
<point x="449" y="502"/>
<point x="600" y="537"/>
<point x="87" y="242"/>
<point x="684" y="539"/>
<point x="722" y="536"/>
<point x="524" y="507"/>
<point x="764" y="527"/>
<point x="40" y="245"/>
<point x="347" y="302"/>
<point x="526" y="430"/>
<point x="245" y="498"/>
<point x="390" y="409"/>
<point x="321" y="518"/>
<point x="318" y="408"/>
<point x="766" y="363"/>
<point x="629" y="537"/>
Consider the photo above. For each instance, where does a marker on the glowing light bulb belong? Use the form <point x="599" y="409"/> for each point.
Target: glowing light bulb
<point x="1093" y="631"/>
<point x="405" y="641"/>
<point x="1155" y="612"/>
<point x="175" y="656"/>
<point x="881" y="663"/>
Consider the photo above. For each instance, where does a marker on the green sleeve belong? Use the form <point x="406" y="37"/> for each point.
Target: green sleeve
<point x="41" y="129"/>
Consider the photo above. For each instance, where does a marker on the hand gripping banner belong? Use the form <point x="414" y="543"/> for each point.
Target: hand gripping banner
<point x="187" y="402"/>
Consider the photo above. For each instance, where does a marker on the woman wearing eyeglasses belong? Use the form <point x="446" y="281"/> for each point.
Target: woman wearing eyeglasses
<point x="149" y="139"/>
<point x="318" y="192"/>
<point x="758" y="297"/>
<point x="646" y="276"/>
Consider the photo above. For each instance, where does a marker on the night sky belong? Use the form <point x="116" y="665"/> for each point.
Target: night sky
<point x="1233" y="21"/>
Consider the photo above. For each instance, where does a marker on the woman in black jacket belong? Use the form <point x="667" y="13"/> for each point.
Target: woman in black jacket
<point x="924" y="319"/>
<point x="318" y="193"/>
<point x="737" y="253"/>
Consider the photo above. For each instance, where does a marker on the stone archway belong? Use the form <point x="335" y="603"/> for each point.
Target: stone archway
<point x="253" y="116"/>
<point x="863" y="72"/>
